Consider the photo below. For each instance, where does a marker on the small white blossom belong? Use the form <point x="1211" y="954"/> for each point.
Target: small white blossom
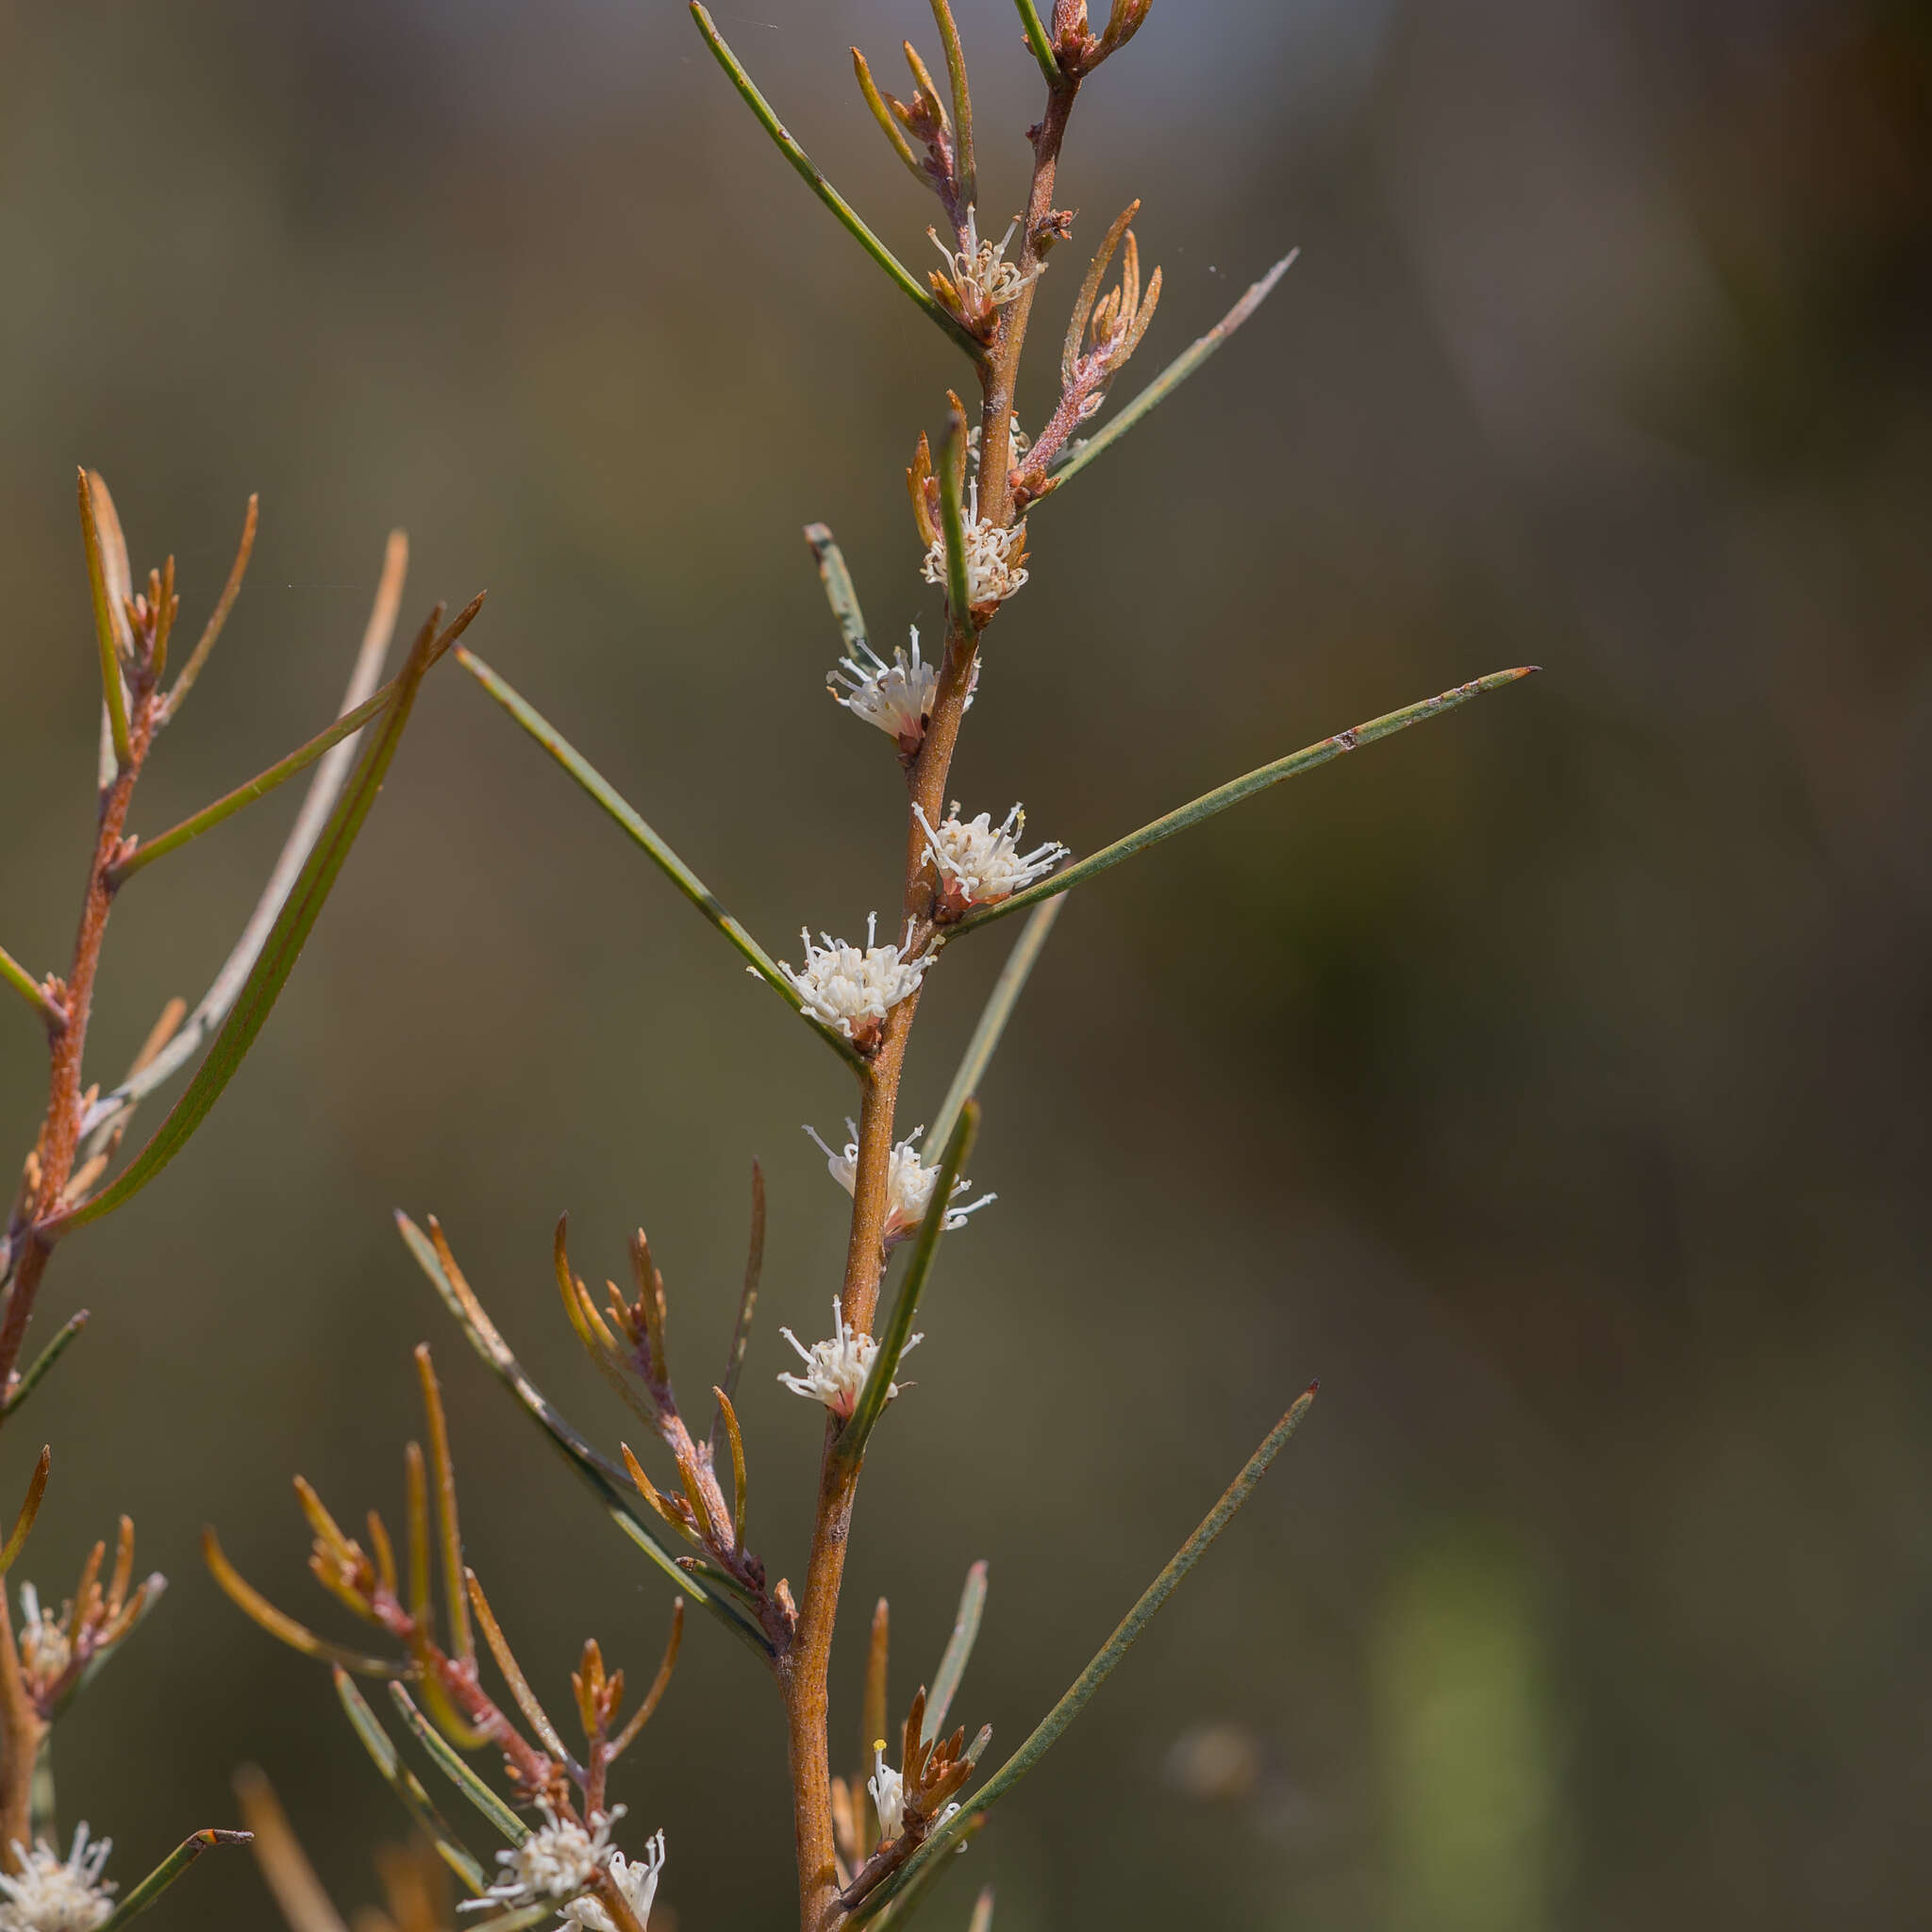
<point x="45" y="1648"/>
<point x="50" y="1893"/>
<point x="983" y="280"/>
<point x="851" y="990"/>
<point x="637" y="1878"/>
<point x="887" y="1788"/>
<point x="896" y="698"/>
<point x="835" y="1370"/>
<point x="908" y="1185"/>
<point x="556" y="1861"/>
<point x="995" y="566"/>
<point x="980" y="865"/>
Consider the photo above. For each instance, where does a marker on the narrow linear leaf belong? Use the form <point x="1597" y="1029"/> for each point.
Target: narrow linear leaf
<point x="150" y="1591"/>
<point x="29" y="1510"/>
<point x="113" y="691"/>
<point x="993" y="1019"/>
<point x="667" y="861"/>
<point x="258" y="787"/>
<point x="871" y="1405"/>
<point x="607" y="1481"/>
<point x="278" y="1624"/>
<point x="914" y="1888"/>
<point x="285" y="1866"/>
<point x="808" y="172"/>
<point x="407" y="1786"/>
<point x="323" y="790"/>
<point x="30" y="989"/>
<point x="513" y="1673"/>
<point x="962" y="100"/>
<point x="1183" y="817"/>
<point x="43" y="1361"/>
<point x="452" y="1766"/>
<point x="945" y="1683"/>
<point x="1076" y="457"/>
<point x="839" y="592"/>
<point x="747" y="1300"/>
<point x="1037" y="44"/>
<point x="982" y="1911"/>
<point x="1047" y="1732"/>
<point x="286" y="938"/>
<point x="218" y="618"/>
<point x="165" y="1873"/>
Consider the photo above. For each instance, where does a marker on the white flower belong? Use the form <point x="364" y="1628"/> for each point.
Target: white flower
<point x="995" y="558"/>
<point x="983" y="280"/>
<point x="50" y="1893"/>
<point x="44" y="1648"/>
<point x="835" y="1370"/>
<point x="637" y="1878"/>
<point x="887" y="1788"/>
<point x="851" y="991"/>
<point x="896" y="698"/>
<point x="1017" y="441"/>
<point x="557" y="1861"/>
<point x="978" y="865"/>
<point x="908" y="1185"/>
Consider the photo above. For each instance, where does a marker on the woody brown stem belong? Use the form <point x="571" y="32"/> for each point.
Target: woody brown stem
<point x="23" y="1730"/>
<point x="804" y="1669"/>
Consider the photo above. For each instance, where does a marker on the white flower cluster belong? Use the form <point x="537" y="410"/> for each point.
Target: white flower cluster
<point x="637" y="1878"/>
<point x="994" y="569"/>
<point x="979" y="272"/>
<point x="908" y="1185"/>
<point x="556" y="1861"/>
<point x="50" y="1893"/>
<point x="851" y="990"/>
<point x="980" y="865"/>
<point x="895" y="697"/>
<point x="835" y="1370"/>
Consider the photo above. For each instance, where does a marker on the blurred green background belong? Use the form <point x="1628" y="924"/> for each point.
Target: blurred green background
<point x="1550" y="1082"/>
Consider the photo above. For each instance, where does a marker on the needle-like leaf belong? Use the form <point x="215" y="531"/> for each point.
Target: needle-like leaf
<point x="512" y="1671"/>
<point x="993" y="1020"/>
<point x="310" y="821"/>
<point x="452" y="1766"/>
<point x="654" y="1695"/>
<point x="607" y="1481"/>
<point x="873" y="1705"/>
<point x="288" y="935"/>
<point x="966" y="167"/>
<point x="443" y="1480"/>
<point x="250" y="1601"/>
<point x="43" y="1361"/>
<point x="1047" y="1732"/>
<point x="840" y="593"/>
<point x="808" y="172"/>
<point x="30" y="989"/>
<point x="747" y="1300"/>
<point x="258" y="787"/>
<point x="165" y="1873"/>
<point x="667" y="861"/>
<point x="29" y="1508"/>
<point x="184" y="683"/>
<point x="1039" y="43"/>
<point x="892" y="1338"/>
<point x="285" y="1866"/>
<point x="1076" y="457"/>
<point x="1183" y="817"/>
<point x="959" y="1650"/>
<point x="112" y="691"/>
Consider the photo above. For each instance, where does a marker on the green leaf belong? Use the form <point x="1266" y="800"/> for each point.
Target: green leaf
<point x="1184" y="818"/>
<point x="405" y="1785"/>
<point x="958" y="1652"/>
<point x="1047" y="1732"/>
<point x="607" y="1482"/>
<point x="993" y="1019"/>
<point x="666" y="861"/>
<point x="286" y="938"/>
<point x="29" y="988"/>
<point x="258" y="787"/>
<point x="840" y="593"/>
<point x="165" y="1873"/>
<point x="450" y="1763"/>
<point x="1076" y="457"/>
<point x="1039" y="44"/>
<point x="42" y="1363"/>
<point x="901" y="276"/>
<point x="871" y="1398"/>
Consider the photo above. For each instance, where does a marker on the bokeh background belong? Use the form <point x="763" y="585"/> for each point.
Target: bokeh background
<point x="1550" y="1082"/>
